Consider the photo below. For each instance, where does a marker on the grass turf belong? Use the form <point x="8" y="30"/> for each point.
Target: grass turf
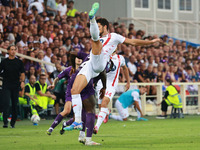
<point x="173" y="134"/>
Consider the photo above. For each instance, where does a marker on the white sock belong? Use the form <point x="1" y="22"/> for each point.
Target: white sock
<point x="50" y="128"/>
<point x="93" y="20"/>
<point x="116" y="117"/>
<point x="94" y="30"/>
<point x="88" y="139"/>
<point x="81" y="134"/>
<point x="77" y="107"/>
<point x="102" y="116"/>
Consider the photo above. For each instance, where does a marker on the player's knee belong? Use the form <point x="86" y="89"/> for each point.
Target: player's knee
<point x="74" y="91"/>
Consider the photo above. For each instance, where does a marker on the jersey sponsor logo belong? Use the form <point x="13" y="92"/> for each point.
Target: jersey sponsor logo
<point x="114" y="67"/>
<point x="101" y="40"/>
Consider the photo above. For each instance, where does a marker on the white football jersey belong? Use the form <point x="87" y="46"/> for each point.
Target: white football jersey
<point x="110" y="43"/>
<point x="113" y="75"/>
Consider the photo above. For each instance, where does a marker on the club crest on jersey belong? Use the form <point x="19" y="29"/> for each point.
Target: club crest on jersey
<point x="113" y="68"/>
<point x="101" y="40"/>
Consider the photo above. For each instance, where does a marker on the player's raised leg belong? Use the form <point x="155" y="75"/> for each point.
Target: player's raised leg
<point x="94" y="30"/>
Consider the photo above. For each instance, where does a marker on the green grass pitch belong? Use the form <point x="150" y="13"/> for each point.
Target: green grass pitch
<point x="169" y="134"/>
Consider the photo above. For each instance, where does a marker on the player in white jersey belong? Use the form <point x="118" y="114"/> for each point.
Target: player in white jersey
<point x="112" y="82"/>
<point x="102" y="48"/>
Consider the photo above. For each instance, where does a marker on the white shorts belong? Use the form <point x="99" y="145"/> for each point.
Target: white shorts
<point x="87" y="71"/>
<point x="123" y="112"/>
<point x="99" y="62"/>
<point x="110" y="92"/>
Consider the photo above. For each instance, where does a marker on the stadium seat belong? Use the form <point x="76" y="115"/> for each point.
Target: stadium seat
<point x="176" y="113"/>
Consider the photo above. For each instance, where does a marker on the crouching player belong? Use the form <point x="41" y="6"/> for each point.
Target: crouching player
<point x="126" y="99"/>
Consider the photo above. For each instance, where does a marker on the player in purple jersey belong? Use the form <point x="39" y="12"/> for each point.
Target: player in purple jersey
<point x="88" y="113"/>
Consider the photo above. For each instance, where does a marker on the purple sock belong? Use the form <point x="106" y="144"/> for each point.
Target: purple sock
<point x="57" y="120"/>
<point x="90" y="119"/>
<point x="83" y="119"/>
<point x="70" y="121"/>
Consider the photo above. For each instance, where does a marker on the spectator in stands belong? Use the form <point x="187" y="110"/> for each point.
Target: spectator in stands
<point x="24" y="39"/>
<point x="131" y="66"/>
<point x="36" y="5"/>
<point x="76" y="43"/>
<point x="31" y="71"/>
<point x="13" y="78"/>
<point x="51" y="7"/>
<point x="71" y="11"/>
<point x="127" y="54"/>
<point x="150" y="77"/>
<point x="62" y="8"/>
<point x="42" y="93"/>
<point x="68" y="45"/>
<point x="14" y="36"/>
<point x="64" y="61"/>
<point x="29" y="63"/>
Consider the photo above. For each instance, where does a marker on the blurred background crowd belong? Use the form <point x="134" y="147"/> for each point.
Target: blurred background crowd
<point x="50" y="29"/>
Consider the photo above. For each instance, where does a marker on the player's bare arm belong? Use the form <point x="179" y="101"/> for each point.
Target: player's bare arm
<point x="136" y="104"/>
<point x="135" y="42"/>
<point x="126" y="74"/>
<point x="55" y="81"/>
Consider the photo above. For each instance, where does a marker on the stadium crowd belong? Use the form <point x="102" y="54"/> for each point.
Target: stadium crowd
<point x="49" y="30"/>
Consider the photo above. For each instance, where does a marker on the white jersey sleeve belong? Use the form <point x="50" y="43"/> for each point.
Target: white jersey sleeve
<point x="122" y="60"/>
<point x="136" y="96"/>
<point x="120" y="39"/>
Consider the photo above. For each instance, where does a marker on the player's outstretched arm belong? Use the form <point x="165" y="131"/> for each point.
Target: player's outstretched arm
<point x="135" y="42"/>
<point x="136" y="104"/>
<point x="55" y="81"/>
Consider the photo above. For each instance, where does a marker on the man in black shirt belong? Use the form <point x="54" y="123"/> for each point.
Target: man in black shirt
<point x="149" y="77"/>
<point x="13" y="78"/>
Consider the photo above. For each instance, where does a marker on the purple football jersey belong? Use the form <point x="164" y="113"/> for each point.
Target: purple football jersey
<point x="85" y="93"/>
<point x="65" y="73"/>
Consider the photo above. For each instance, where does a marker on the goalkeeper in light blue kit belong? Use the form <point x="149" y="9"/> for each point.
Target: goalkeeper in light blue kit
<point x="126" y="99"/>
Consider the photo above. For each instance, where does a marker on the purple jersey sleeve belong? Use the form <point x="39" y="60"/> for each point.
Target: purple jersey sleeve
<point x="65" y="73"/>
<point x="82" y="55"/>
